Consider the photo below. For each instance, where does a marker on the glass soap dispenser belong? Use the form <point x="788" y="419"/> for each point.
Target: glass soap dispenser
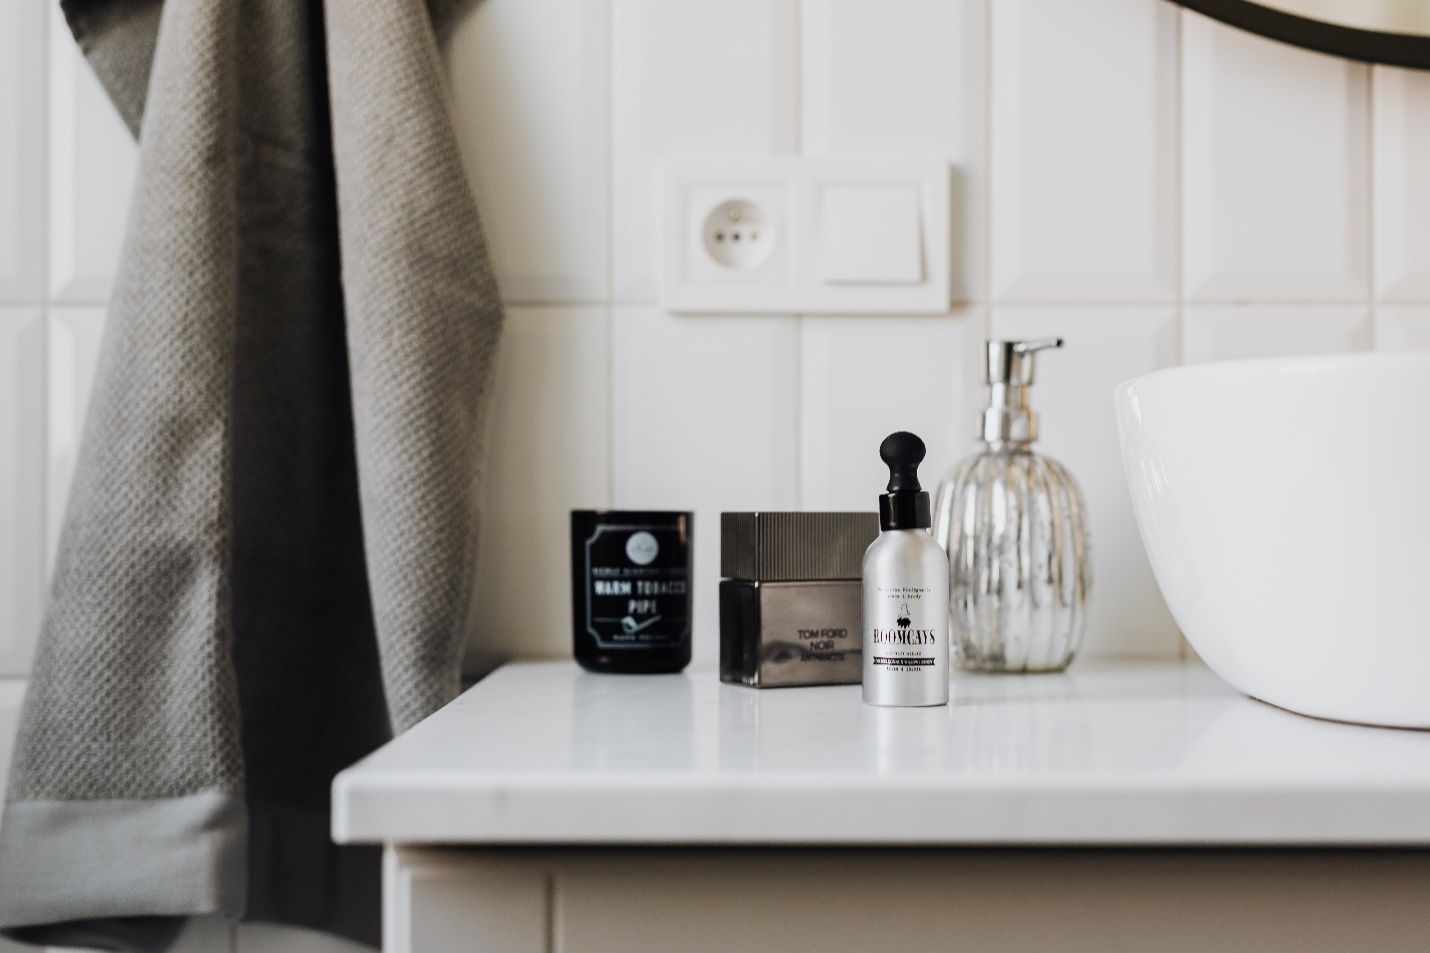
<point x="1015" y="529"/>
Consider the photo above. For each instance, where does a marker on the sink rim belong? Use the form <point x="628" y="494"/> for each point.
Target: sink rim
<point x="1296" y="365"/>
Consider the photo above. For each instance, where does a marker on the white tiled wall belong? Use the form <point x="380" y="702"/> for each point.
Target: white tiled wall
<point x="1153" y="186"/>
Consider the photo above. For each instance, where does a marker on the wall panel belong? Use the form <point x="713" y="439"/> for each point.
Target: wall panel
<point x="22" y="150"/>
<point x="549" y="453"/>
<point x="1402" y="328"/>
<point x="93" y="161"/>
<point x="530" y="81"/>
<point x="693" y="77"/>
<point x="1275" y="166"/>
<point x="910" y="77"/>
<point x="1402" y="184"/>
<point x="1084" y="161"/>
<point x="704" y="418"/>
<point x="850" y="400"/>
<point x="1229" y="333"/>
<point x="22" y="485"/>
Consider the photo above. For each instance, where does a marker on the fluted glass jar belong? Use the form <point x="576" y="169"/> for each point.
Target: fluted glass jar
<point x="1015" y="530"/>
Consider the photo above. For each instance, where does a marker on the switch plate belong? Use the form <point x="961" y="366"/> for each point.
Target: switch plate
<point x="868" y="235"/>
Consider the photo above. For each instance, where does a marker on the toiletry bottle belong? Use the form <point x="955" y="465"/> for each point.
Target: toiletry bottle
<point x="905" y="591"/>
<point x="1015" y="528"/>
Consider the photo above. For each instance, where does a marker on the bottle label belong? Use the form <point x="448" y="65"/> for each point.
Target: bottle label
<point x="903" y="638"/>
<point x="637" y="586"/>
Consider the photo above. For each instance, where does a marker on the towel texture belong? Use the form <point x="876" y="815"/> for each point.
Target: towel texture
<point x="266" y="561"/>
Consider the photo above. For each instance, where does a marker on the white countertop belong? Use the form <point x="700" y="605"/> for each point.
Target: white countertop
<point x="544" y="753"/>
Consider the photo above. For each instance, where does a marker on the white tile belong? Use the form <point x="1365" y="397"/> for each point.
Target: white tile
<point x="75" y="335"/>
<point x="12" y="694"/>
<point x="1228" y="333"/>
<point x="268" y="938"/>
<point x="905" y="77"/>
<point x="531" y="95"/>
<point x="549" y="453"/>
<point x="22" y="485"/>
<point x="1073" y="398"/>
<point x="704" y="419"/>
<point x="93" y="160"/>
<point x="884" y="78"/>
<point x="692" y="77"/>
<point x="1275" y="169"/>
<point x="845" y="412"/>
<point x="1402" y="328"/>
<point x="22" y="150"/>
<point x="1402" y="183"/>
<point x="1084" y="160"/>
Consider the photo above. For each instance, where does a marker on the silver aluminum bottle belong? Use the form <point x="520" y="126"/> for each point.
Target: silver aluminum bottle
<point x="905" y="605"/>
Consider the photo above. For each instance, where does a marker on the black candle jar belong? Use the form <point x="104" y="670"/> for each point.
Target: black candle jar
<point x="631" y="590"/>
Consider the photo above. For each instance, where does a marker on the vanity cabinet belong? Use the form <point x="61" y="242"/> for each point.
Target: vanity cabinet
<point x="1119" y="808"/>
<point x="987" y="900"/>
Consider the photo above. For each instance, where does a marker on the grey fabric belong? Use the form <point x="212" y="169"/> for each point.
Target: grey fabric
<point x="266" y="562"/>
<point x="158" y="853"/>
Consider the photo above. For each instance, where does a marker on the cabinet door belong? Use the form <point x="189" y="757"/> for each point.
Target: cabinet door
<point x="991" y="901"/>
<point x="451" y="901"/>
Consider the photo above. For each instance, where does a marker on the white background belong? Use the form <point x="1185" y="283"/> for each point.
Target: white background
<point x="1154" y="187"/>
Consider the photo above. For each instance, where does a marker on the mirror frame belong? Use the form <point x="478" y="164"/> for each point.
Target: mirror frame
<point x="1394" y="49"/>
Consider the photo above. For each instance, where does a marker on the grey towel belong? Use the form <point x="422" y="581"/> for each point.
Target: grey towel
<point x="265" y="565"/>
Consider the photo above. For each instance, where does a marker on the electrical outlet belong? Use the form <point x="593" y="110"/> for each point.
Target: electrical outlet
<point x="733" y="236"/>
<point x="790" y="235"/>
<point x="738" y="235"/>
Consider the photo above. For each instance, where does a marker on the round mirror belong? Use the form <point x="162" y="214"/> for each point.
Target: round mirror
<point x="1377" y="31"/>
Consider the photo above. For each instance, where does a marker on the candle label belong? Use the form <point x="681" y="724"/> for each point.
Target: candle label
<point x="638" y="585"/>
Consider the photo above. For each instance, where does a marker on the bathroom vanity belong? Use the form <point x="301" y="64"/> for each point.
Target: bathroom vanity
<point x="1127" y="807"/>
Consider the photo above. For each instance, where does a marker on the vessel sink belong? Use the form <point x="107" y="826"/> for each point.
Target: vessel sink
<point x="1285" y="508"/>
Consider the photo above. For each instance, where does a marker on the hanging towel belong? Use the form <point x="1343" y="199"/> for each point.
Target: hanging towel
<point x="265" y="565"/>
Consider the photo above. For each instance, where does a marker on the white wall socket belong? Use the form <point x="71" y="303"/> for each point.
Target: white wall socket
<point x="799" y="235"/>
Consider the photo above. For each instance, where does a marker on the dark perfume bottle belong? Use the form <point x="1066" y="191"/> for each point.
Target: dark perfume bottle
<point x="631" y="582"/>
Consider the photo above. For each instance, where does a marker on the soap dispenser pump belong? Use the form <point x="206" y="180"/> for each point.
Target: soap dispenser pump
<point x="1014" y="526"/>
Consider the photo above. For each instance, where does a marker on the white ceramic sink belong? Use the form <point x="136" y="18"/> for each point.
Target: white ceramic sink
<point x="1285" y="507"/>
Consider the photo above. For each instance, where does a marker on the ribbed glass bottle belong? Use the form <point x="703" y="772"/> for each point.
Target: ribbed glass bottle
<point x="1014" y="526"/>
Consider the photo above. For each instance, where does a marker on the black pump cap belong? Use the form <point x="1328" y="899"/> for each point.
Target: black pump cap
<point x="906" y="505"/>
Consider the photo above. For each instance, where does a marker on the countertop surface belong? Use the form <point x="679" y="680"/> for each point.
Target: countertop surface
<point x="1132" y="754"/>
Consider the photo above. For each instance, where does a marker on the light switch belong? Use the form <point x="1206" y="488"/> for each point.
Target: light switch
<point x="870" y="235"/>
<point x="805" y="234"/>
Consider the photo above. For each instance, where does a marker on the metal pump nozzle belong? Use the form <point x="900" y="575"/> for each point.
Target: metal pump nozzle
<point x="1008" y="371"/>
